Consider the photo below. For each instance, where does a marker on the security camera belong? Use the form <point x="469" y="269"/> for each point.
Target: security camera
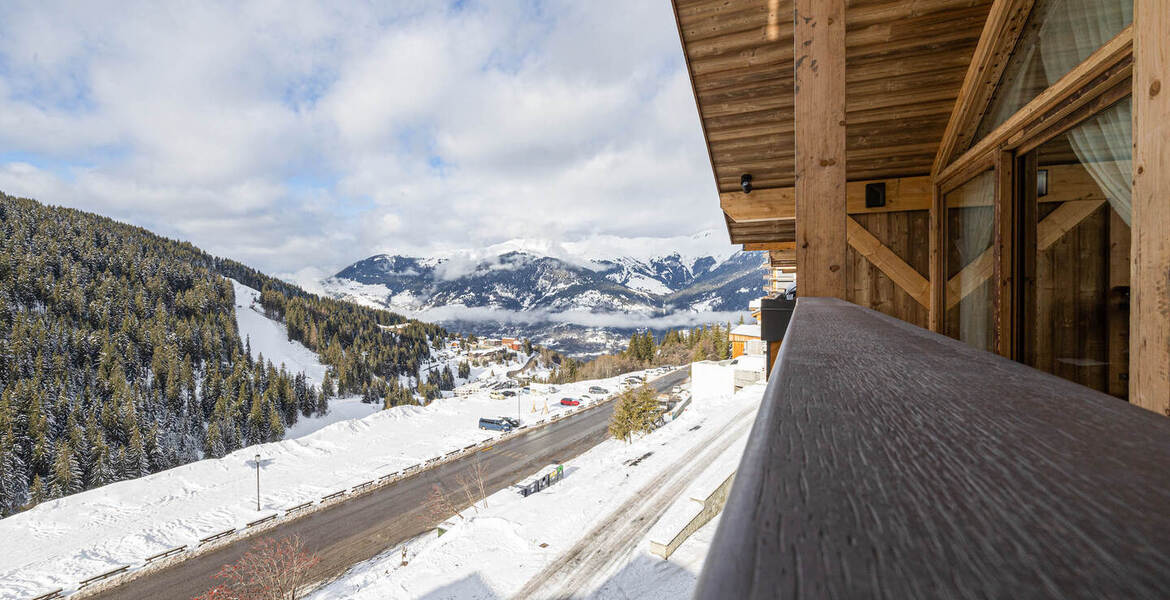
<point x="745" y="182"/>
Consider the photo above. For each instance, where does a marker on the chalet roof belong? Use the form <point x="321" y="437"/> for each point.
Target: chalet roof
<point x="905" y="63"/>
<point x="747" y="329"/>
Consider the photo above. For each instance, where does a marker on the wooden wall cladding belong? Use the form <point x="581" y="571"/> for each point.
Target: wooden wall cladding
<point x="868" y="286"/>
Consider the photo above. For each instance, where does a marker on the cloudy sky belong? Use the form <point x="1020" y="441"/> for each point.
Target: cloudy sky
<point x="304" y="136"/>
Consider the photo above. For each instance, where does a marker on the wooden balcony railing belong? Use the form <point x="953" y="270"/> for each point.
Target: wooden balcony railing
<point x="891" y="462"/>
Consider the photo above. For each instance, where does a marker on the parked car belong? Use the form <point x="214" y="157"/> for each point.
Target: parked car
<point x="570" y="402"/>
<point x="514" y="422"/>
<point x="676" y="389"/>
<point x="509" y="394"/>
<point x="598" y="390"/>
<point x="495" y="424"/>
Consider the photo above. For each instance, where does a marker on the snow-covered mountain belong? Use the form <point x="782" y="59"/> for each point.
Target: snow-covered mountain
<point x="560" y="296"/>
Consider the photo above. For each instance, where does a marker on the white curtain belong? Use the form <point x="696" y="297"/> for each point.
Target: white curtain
<point x="1104" y="143"/>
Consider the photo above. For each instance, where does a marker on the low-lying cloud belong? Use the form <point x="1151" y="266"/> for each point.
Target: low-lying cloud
<point x="610" y="320"/>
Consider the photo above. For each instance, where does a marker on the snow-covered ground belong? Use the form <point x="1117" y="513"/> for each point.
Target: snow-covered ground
<point x="60" y="542"/>
<point x="586" y="521"/>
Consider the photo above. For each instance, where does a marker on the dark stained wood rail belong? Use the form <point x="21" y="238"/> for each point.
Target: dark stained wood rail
<point x="891" y="462"/>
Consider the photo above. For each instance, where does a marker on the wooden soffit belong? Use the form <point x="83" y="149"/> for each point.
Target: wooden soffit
<point x="905" y="63"/>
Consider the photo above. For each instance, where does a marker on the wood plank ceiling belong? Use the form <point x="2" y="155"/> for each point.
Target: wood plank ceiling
<point x="905" y="62"/>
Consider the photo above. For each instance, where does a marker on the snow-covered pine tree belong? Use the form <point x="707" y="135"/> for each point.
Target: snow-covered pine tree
<point x="66" y="477"/>
<point x="13" y="482"/>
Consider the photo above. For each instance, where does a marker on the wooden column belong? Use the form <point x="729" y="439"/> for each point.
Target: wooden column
<point x="1005" y="186"/>
<point x="938" y="260"/>
<point x="819" y="50"/>
<point x="1150" y="308"/>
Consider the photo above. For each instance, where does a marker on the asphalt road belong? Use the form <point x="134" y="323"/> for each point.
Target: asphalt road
<point x="362" y="527"/>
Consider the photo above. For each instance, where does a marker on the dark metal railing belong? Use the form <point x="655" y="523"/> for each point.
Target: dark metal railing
<point x="890" y="462"/>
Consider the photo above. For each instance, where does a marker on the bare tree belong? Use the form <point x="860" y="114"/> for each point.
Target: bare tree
<point x="439" y="505"/>
<point x="471" y="483"/>
<point x="270" y="570"/>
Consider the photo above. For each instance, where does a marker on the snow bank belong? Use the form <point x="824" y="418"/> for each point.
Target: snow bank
<point x="60" y="542"/>
<point x="497" y="550"/>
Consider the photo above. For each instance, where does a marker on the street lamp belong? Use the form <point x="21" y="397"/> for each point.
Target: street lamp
<point x="257" y="482"/>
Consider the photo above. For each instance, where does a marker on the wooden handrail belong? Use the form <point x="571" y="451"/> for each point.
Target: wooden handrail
<point x="889" y="461"/>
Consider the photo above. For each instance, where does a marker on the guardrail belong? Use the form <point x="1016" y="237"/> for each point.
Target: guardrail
<point x="301" y="509"/>
<point x="261" y="520"/>
<point x="101" y="576"/>
<point x="216" y="536"/>
<point x="294" y="509"/>
<point x="166" y="553"/>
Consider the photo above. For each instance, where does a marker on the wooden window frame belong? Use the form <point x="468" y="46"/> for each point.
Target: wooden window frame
<point x="1101" y="80"/>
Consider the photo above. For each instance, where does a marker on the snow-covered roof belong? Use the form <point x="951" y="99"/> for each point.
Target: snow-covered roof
<point x="748" y="329"/>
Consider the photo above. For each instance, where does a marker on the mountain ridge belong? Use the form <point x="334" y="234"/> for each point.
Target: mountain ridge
<point x="589" y="305"/>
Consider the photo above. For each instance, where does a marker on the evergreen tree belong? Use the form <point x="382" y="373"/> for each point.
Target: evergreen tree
<point x="214" y="447"/>
<point x="66" y="476"/>
<point x="37" y="492"/>
<point x="327" y="386"/>
<point x="635" y="412"/>
<point x="13" y="486"/>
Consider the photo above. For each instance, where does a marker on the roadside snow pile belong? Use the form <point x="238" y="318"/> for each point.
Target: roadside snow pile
<point x="589" y="524"/>
<point x="60" y="542"/>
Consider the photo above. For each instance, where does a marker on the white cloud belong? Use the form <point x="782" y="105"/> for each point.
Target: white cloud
<point x="309" y="135"/>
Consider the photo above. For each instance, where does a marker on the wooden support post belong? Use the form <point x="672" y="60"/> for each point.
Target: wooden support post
<point x="819" y="50"/>
<point x="938" y="260"/>
<point x="1005" y="186"/>
<point x="1150" y="308"/>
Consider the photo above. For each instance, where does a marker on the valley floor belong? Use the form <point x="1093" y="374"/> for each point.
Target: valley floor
<point x="586" y="536"/>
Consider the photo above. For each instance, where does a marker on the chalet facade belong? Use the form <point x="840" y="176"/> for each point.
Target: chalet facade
<point x="990" y="181"/>
<point x="967" y="166"/>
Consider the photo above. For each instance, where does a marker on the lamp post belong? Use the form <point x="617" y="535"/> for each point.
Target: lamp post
<point x="257" y="482"/>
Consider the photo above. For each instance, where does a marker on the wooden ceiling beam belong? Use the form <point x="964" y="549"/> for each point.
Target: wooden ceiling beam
<point x="769" y="246"/>
<point x="908" y="193"/>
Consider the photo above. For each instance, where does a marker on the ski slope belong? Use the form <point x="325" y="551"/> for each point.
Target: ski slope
<point x="270" y="338"/>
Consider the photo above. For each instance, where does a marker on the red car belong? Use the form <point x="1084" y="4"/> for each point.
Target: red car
<point x="570" y="402"/>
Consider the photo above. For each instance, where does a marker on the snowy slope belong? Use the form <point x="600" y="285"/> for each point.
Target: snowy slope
<point x="63" y="541"/>
<point x="498" y="549"/>
<point x="270" y="338"/>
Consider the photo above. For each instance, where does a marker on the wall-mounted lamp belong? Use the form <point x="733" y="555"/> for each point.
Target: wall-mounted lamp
<point x="745" y="182"/>
<point x="1041" y="183"/>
